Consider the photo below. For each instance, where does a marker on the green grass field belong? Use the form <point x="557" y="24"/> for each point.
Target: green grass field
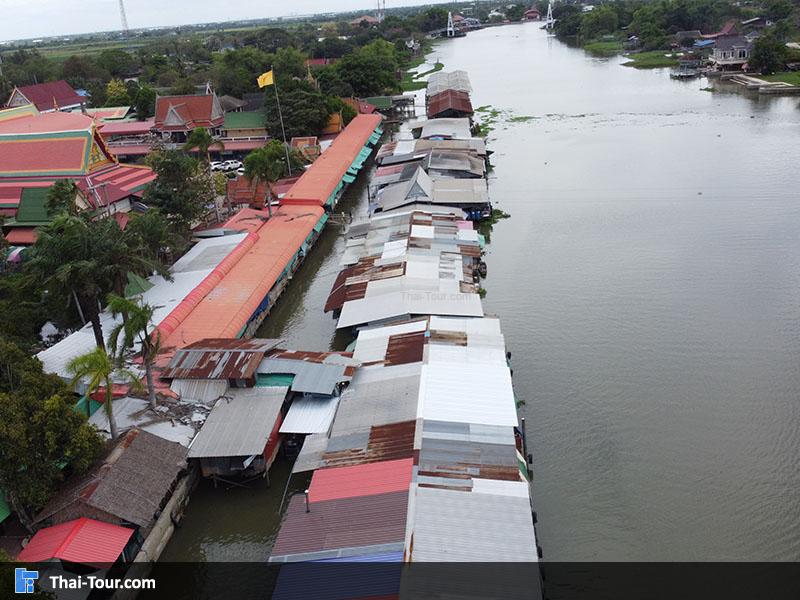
<point x="792" y="77"/>
<point x="651" y="60"/>
<point x="608" y="48"/>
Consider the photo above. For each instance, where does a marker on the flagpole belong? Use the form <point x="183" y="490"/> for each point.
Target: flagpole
<point x="283" y="129"/>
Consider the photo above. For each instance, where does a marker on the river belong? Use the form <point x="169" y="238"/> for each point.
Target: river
<point x="647" y="283"/>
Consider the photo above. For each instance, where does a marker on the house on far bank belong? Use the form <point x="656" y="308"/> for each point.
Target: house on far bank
<point x="46" y="97"/>
<point x="365" y="21"/>
<point x="532" y="14"/>
<point x="177" y="116"/>
<point x="756" y="23"/>
<point x="731" y="52"/>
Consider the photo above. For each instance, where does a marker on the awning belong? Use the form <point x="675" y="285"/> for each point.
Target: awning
<point x="310" y="415"/>
<point x="321" y="223"/>
<point x="83" y="541"/>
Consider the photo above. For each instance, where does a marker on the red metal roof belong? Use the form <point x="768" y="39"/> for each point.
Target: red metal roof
<point x="22" y="236"/>
<point x="345" y="523"/>
<point x="219" y="359"/>
<point x="225" y="301"/>
<point x="320" y="180"/>
<point x="449" y="103"/>
<point x="247" y="219"/>
<point x="361" y="480"/>
<point x="50" y="95"/>
<point x="83" y="541"/>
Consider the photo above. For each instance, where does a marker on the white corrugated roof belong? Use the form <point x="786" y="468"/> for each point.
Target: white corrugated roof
<point x="239" y="424"/>
<point x="310" y="415"/>
<point x="467" y="393"/>
<point x="491" y="523"/>
<point x="409" y="302"/>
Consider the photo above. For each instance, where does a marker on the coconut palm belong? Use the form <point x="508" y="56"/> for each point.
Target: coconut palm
<point x="268" y="164"/>
<point x="66" y="261"/>
<point x="98" y="367"/>
<point x="136" y="328"/>
<point x="202" y="140"/>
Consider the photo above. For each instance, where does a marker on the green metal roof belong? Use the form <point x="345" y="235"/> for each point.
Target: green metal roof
<point x="274" y="380"/>
<point x="33" y="207"/>
<point x="379" y="102"/>
<point x="244" y="120"/>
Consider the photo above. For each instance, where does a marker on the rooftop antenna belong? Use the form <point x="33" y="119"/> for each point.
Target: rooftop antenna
<point x="124" y="17"/>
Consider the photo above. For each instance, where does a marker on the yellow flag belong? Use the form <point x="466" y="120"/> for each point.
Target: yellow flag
<point x="265" y="79"/>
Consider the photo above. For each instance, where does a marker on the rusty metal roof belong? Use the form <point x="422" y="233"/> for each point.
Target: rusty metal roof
<point x="449" y="103"/>
<point x="337" y="527"/>
<point x="219" y="359"/>
<point x="383" y="442"/>
<point x="405" y="348"/>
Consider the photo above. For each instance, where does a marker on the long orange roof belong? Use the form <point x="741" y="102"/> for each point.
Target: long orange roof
<point x="223" y="303"/>
<point x="320" y="180"/>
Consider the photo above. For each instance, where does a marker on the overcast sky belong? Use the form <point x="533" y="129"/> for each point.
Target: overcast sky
<point x="41" y="18"/>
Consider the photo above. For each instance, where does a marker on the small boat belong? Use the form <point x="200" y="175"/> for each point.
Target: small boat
<point x="685" y="74"/>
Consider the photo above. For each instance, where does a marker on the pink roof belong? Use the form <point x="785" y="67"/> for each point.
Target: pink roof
<point x="50" y="95"/>
<point x="42" y="155"/>
<point x="223" y="303"/>
<point x="83" y="541"/>
<point x="195" y="110"/>
<point x="127" y="127"/>
<point x="53" y="122"/>
<point x="247" y="219"/>
<point x="130" y="150"/>
<point x="361" y="480"/>
<point x="320" y="180"/>
<point x="231" y="145"/>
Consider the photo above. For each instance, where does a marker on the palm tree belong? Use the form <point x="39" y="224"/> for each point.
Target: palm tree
<point x="268" y="164"/>
<point x="136" y="328"/>
<point x="66" y="261"/>
<point x="98" y="368"/>
<point x="202" y="140"/>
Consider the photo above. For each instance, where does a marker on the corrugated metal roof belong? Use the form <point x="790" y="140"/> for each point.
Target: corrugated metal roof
<point x="489" y="524"/>
<point x="84" y="541"/>
<point x="219" y="359"/>
<point x="350" y="523"/>
<point x="360" y="480"/>
<point x="372" y="344"/>
<point x="449" y="103"/>
<point x="384" y="442"/>
<point x="310" y="415"/>
<point x="321" y="580"/>
<point x="205" y="391"/>
<point x="378" y="396"/>
<point x="309" y="376"/>
<point x="467" y="394"/>
<point x="310" y="457"/>
<point x="448" y="80"/>
<point x="240" y="423"/>
<point x="458" y="129"/>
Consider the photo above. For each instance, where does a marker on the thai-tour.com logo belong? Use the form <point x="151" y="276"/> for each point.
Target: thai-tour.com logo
<point x="24" y="579"/>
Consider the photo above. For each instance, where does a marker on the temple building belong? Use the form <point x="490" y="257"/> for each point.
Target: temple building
<point x="38" y="149"/>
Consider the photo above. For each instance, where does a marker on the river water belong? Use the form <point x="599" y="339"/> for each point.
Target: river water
<point x="647" y="283"/>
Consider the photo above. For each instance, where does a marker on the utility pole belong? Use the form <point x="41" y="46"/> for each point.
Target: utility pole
<point x="451" y="28"/>
<point x="549" y="21"/>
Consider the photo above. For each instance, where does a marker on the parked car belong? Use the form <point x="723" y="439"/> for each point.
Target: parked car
<point x="240" y="171"/>
<point x="217" y="165"/>
<point x="231" y="165"/>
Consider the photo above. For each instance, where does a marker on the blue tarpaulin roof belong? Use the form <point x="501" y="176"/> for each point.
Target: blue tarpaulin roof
<point x="703" y="43"/>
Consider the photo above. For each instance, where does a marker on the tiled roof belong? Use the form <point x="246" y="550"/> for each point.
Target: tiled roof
<point x="51" y="95"/>
<point x="188" y="112"/>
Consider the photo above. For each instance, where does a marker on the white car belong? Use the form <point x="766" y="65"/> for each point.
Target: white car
<point x="217" y="165"/>
<point x="240" y="171"/>
<point x="231" y="165"/>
